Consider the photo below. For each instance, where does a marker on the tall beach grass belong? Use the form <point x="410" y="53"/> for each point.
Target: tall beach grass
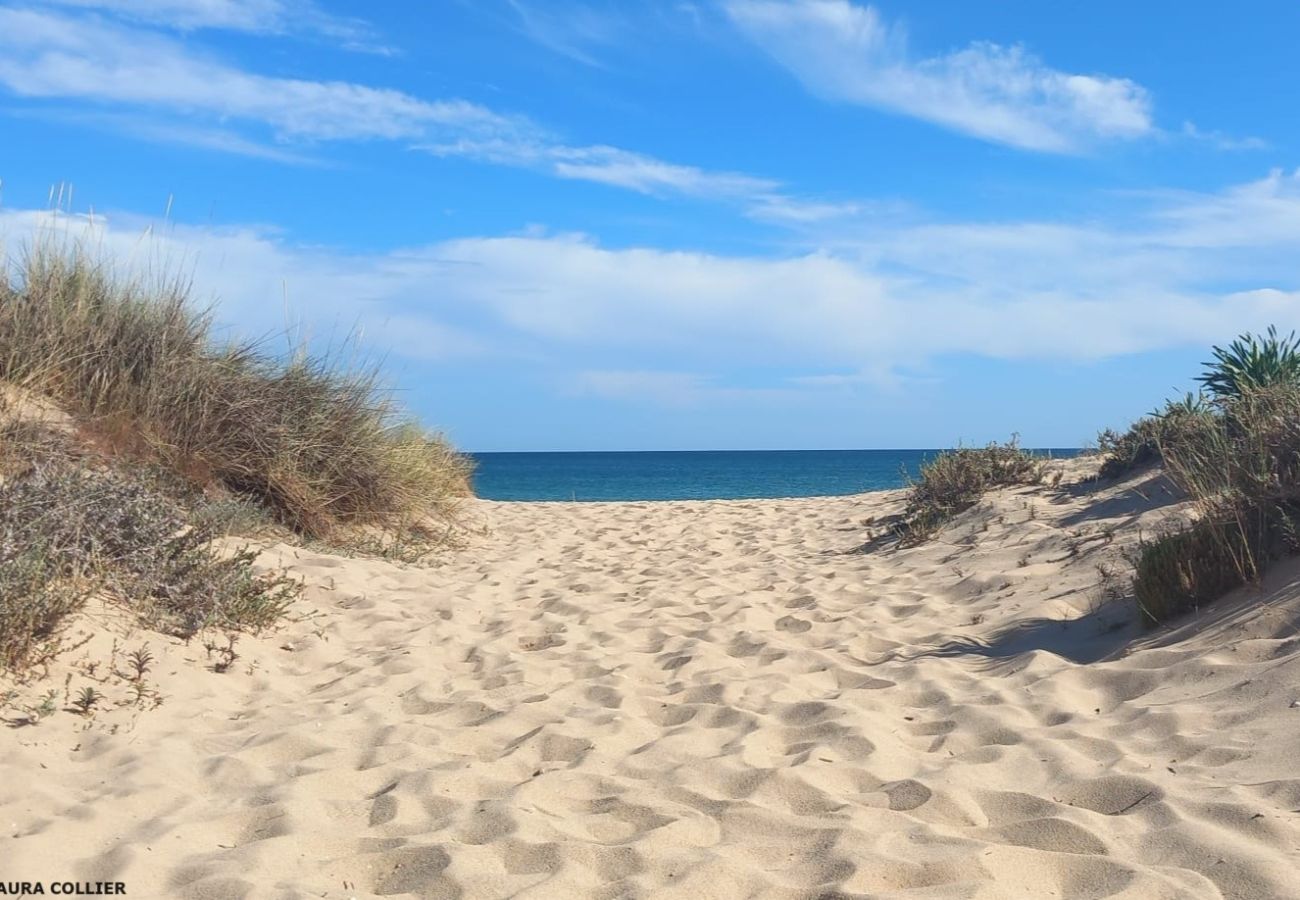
<point x="319" y="442"/>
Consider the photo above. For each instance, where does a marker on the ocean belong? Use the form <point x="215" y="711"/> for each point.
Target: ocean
<point x="696" y="474"/>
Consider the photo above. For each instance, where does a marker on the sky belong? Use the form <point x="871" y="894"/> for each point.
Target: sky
<point x="720" y="224"/>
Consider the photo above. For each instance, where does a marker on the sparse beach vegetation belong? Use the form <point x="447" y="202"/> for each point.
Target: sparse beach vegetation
<point x="168" y="438"/>
<point x="1233" y="450"/>
<point x="1241" y="466"/>
<point x="955" y="480"/>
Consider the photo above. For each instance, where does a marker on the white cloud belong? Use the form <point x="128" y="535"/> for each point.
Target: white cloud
<point x="1260" y="214"/>
<point x="43" y="55"/>
<point x="610" y="165"/>
<point x="668" y="388"/>
<point x="673" y="389"/>
<point x="679" y="323"/>
<point x="144" y="128"/>
<point x="847" y="52"/>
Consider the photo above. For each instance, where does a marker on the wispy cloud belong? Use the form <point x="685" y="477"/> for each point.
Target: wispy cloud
<point x="606" y="165"/>
<point x="254" y="16"/>
<point x="52" y="56"/>
<point x="761" y="198"/>
<point x="668" y="388"/>
<point x="154" y="131"/>
<point x="570" y="29"/>
<point x="1222" y="141"/>
<point x="792" y="211"/>
<point x="847" y="52"/>
<point x="672" y="389"/>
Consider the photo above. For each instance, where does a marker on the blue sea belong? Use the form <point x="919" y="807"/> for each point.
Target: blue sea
<point x="696" y="474"/>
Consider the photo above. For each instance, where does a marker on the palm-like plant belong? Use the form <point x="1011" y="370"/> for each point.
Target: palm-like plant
<point x="1253" y="361"/>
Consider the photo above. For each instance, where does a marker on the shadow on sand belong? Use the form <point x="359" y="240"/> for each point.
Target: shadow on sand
<point x="1092" y="637"/>
<point x="1153" y="492"/>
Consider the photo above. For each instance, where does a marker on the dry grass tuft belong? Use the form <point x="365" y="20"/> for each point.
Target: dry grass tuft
<point x="318" y="443"/>
<point x="955" y="480"/>
<point x="1139" y="447"/>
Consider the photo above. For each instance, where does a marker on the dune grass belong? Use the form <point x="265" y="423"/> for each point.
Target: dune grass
<point x="1236" y="453"/>
<point x="318" y="443"/>
<point x="1140" y="446"/>
<point x="177" y="436"/>
<point x="1241" y="465"/>
<point x="955" y="480"/>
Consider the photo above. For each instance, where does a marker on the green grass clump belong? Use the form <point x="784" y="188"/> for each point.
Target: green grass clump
<point x="318" y="443"/>
<point x="955" y="480"/>
<point x="1185" y="568"/>
<point x="68" y="532"/>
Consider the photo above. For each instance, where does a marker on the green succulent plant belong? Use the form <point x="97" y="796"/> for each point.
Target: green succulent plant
<point x="1252" y="361"/>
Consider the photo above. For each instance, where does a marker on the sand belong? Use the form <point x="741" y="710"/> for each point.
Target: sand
<point x="698" y="699"/>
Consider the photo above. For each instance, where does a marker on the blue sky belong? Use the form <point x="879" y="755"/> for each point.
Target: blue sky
<point x="711" y="224"/>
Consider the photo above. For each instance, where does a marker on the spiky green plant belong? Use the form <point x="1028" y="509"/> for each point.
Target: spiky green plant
<point x="1253" y="361"/>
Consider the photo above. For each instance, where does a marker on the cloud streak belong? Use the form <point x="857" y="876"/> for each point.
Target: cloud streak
<point x="269" y="17"/>
<point x="50" y="56"/>
<point x="848" y="53"/>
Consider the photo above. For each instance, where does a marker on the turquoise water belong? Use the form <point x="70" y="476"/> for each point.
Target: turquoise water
<point x="695" y="475"/>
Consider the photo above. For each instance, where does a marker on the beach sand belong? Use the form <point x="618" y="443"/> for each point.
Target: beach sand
<point x="697" y="700"/>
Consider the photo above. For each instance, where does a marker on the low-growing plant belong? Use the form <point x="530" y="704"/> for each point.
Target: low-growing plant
<point x="48" y="706"/>
<point x="87" y="700"/>
<point x="67" y="532"/>
<point x="141" y="660"/>
<point x="955" y="480"/>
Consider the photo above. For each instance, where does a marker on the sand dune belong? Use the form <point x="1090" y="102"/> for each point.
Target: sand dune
<point x="697" y="700"/>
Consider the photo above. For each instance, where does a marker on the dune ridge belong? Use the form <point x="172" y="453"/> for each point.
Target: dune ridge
<point x="698" y="699"/>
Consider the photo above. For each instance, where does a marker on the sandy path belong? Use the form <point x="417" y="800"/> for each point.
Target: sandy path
<point x="719" y="699"/>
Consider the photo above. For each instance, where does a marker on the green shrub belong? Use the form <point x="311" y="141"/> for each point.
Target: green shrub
<point x="67" y="532"/>
<point x="318" y="443"/>
<point x="1186" y="568"/>
<point x="955" y="480"/>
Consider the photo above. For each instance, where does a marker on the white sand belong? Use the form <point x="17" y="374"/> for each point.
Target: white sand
<point x="715" y="699"/>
